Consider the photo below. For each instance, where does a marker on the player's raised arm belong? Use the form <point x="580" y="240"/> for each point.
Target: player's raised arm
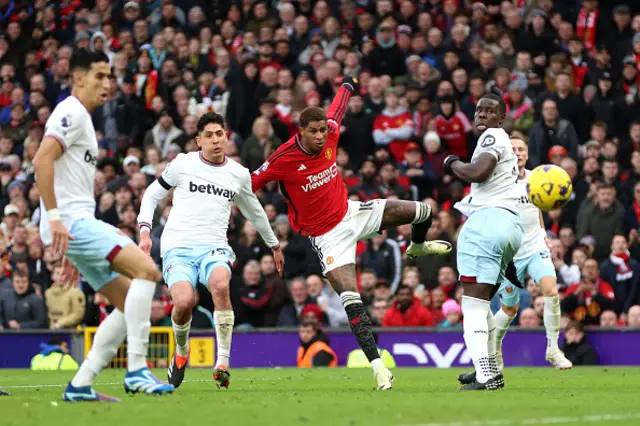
<point x="338" y="106"/>
<point x="157" y="191"/>
<point x="251" y="208"/>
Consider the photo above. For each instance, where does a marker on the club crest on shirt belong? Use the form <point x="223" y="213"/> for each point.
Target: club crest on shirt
<point x="329" y="260"/>
<point x="262" y="168"/>
<point x="328" y="153"/>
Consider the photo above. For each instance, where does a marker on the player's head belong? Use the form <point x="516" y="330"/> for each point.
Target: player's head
<point x="313" y="129"/>
<point x="490" y="112"/>
<point x="212" y="136"/>
<point x="521" y="150"/>
<point x="90" y="77"/>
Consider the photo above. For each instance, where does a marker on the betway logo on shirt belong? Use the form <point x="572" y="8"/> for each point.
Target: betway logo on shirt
<point x="212" y="189"/>
<point x="319" y="179"/>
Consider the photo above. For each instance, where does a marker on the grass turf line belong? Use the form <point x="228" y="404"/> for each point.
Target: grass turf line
<point x="327" y="397"/>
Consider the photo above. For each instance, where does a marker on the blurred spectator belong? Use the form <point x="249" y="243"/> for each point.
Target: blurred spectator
<point x="552" y="130"/>
<point x="314" y="350"/>
<point x="159" y="317"/>
<point x="66" y="303"/>
<point x="623" y="273"/>
<point x="21" y="307"/>
<point x="377" y="311"/>
<point x="383" y="256"/>
<point x="54" y="356"/>
<point x="576" y="348"/>
<point x="407" y="311"/>
<point x="601" y="219"/>
<point x="608" y="319"/>
<point x="394" y="126"/>
<point x="290" y="313"/>
<point x="633" y="318"/>
<point x="529" y="318"/>
<point x="328" y="300"/>
<point x="260" y="144"/>
<point x="453" y="314"/>
<point x="588" y="299"/>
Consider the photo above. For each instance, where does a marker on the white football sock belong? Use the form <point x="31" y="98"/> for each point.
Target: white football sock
<point x="491" y="342"/>
<point x="181" y="333"/>
<point x="551" y="318"/>
<point x="137" y="314"/>
<point x="224" y="321"/>
<point x="503" y="321"/>
<point x="476" y="335"/>
<point x="107" y="340"/>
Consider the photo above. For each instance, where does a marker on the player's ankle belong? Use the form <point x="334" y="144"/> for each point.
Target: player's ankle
<point x="377" y="364"/>
<point x="182" y="350"/>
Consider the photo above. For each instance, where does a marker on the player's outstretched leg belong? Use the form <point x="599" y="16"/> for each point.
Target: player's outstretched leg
<point x="110" y="335"/>
<point x="182" y="294"/>
<point x="418" y="214"/>
<point x="343" y="281"/>
<point x="551" y="318"/>
<point x="132" y="262"/>
<point x="224" y="320"/>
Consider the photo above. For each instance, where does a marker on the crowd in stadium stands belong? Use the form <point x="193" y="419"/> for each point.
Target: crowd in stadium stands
<point x="569" y="71"/>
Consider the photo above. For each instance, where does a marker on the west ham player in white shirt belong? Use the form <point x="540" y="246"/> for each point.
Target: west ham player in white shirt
<point x="194" y="241"/>
<point x="489" y="238"/>
<point x="65" y="167"/>
<point x="534" y="259"/>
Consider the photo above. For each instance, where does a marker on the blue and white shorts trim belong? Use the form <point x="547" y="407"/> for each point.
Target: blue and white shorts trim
<point x="195" y="265"/>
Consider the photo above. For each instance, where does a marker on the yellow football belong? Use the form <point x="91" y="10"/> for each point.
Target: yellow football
<point x="549" y="187"/>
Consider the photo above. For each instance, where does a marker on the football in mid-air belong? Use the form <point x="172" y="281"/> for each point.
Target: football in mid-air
<point x="549" y="187"/>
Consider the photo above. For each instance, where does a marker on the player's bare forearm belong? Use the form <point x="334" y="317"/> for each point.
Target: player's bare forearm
<point x="476" y="172"/>
<point x="43" y="164"/>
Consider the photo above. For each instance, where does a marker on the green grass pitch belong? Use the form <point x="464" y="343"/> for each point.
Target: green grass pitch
<point x="335" y="397"/>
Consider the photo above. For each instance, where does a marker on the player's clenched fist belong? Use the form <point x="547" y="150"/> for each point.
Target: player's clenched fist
<point x="145" y="242"/>
<point x="351" y="83"/>
<point x="449" y="161"/>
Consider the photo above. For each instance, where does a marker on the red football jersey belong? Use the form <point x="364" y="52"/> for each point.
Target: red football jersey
<point x="311" y="184"/>
<point x="454" y="131"/>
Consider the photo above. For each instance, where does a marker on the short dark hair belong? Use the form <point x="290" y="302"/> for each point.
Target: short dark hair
<point x="502" y="106"/>
<point x="210" y="118"/>
<point x="311" y="114"/>
<point x="83" y="58"/>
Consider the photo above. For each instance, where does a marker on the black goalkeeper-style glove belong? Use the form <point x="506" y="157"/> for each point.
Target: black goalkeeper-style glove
<point x="449" y="161"/>
<point x="351" y="83"/>
<point x="512" y="275"/>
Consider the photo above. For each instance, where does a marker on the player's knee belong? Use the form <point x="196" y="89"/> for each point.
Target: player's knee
<point x="219" y="289"/>
<point x="149" y="271"/>
<point x="548" y="287"/>
<point x="512" y="311"/>
<point x="183" y="302"/>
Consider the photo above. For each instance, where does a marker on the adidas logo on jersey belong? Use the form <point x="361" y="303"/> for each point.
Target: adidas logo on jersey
<point x="90" y="158"/>
<point x="212" y="189"/>
<point x="302" y="167"/>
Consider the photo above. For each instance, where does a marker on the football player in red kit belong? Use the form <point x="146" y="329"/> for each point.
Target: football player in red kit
<point x="306" y="169"/>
